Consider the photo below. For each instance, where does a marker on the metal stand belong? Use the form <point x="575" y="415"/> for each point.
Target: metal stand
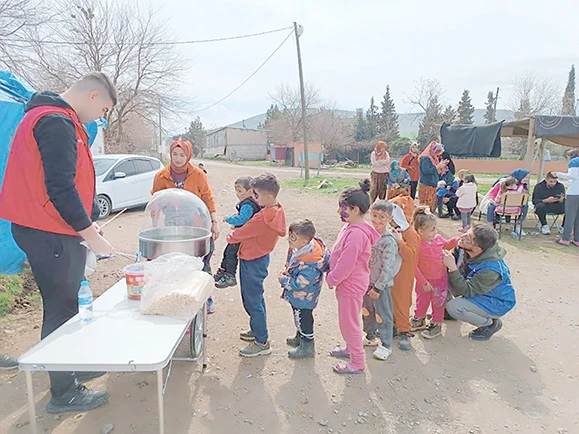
<point x="160" y="393"/>
<point x="31" y="403"/>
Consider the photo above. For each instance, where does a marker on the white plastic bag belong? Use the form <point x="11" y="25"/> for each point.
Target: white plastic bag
<point x="175" y="286"/>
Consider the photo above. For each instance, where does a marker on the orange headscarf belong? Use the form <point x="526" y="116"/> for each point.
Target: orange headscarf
<point x="433" y="152"/>
<point x="186" y="147"/>
<point x="380" y="150"/>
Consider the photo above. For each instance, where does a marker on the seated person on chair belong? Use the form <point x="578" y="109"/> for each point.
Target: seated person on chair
<point x="549" y="198"/>
<point x="481" y="283"/>
<point x="445" y="195"/>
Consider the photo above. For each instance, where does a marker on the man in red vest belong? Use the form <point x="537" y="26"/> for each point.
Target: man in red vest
<point x="49" y="196"/>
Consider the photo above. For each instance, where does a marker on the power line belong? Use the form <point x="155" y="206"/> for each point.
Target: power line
<point x="167" y="43"/>
<point x="248" y="78"/>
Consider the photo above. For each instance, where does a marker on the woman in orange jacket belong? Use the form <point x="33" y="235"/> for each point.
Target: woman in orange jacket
<point x="180" y="173"/>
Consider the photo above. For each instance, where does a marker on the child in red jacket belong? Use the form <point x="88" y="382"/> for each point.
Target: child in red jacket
<point x="257" y="239"/>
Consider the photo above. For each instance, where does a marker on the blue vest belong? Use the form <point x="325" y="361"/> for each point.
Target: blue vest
<point x="501" y="298"/>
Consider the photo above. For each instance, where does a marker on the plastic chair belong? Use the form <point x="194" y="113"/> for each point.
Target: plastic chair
<point x="511" y="205"/>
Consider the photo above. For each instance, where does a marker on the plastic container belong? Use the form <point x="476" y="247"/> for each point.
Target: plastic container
<point x="135" y="278"/>
<point x="85" y="300"/>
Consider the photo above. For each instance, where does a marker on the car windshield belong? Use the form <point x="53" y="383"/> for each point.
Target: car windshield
<point x="101" y="165"/>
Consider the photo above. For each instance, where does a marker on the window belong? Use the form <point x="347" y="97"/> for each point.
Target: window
<point x="156" y="164"/>
<point x="127" y="167"/>
<point x="101" y="165"/>
<point x="143" y="166"/>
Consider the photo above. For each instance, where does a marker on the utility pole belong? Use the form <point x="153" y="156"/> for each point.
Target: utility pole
<point x="496" y="100"/>
<point x="298" y="31"/>
<point x="160" y="147"/>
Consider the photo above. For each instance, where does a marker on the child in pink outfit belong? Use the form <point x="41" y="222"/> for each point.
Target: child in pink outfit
<point x="431" y="274"/>
<point x="350" y="274"/>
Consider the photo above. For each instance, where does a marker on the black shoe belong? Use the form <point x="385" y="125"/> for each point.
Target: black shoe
<point x="445" y="216"/>
<point x="219" y="275"/>
<point x="86" y="376"/>
<point x="7" y="363"/>
<point x="77" y="398"/>
<point x="226" y="281"/>
<point x="404" y="343"/>
<point x="485" y="333"/>
<point x="304" y="350"/>
<point x="447" y="316"/>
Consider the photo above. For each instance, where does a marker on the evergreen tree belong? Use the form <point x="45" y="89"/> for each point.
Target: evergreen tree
<point x="429" y="128"/>
<point x="569" y="95"/>
<point x="196" y="135"/>
<point x="388" y="127"/>
<point x="490" y="114"/>
<point x="273" y="113"/>
<point x="361" y="127"/>
<point x="372" y="117"/>
<point x="524" y="109"/>
<point x="449" y="115"/>
<point x="465" y="109"/>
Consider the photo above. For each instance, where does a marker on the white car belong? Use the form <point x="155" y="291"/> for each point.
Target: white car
<point x="124" y="181"/>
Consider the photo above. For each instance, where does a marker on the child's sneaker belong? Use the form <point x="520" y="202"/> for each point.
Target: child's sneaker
<point x="404" y="343"/>
<point x="382" y="353"/>
<point x="210" y="306"/>
<point x="418" y="324"/>
<point x="374" y="342"/>
<point x="226" y="281"/>
<point x="255" y="349"/>
<point x="247" y="336"/>
<point x="217" y="276"/>
<point x="433" y="331"/>
<point x="295" y="341"/>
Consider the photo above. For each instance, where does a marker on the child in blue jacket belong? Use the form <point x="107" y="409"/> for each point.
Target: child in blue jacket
<point x="301" y="280"/>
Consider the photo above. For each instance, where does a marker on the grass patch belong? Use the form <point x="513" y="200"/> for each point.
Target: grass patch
<point x="334" y="185"/>
<point x="484" y="188"/>
<point x="261" y="163"/>
<point x="10" y="288"/>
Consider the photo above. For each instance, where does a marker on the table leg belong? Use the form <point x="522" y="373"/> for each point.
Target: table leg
<point x="161" y="404"/>
<point x="31" y="403"/>
<point x="204" y="341"/>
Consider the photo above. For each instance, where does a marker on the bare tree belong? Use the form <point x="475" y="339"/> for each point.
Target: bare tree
<point x="128" y="43"/>
<point x="330" y="130"/>
<point x="428" y="97"/>
<point x="288" y="100"/>
<point x="426" y="90"/>
<point x="534" y="95"/>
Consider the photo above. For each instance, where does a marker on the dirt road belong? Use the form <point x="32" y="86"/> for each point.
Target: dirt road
<point x="522" y="381"/>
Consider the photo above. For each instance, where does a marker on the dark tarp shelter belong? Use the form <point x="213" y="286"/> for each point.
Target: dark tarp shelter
<point x="562" y="130"/>
<point x="472" y="140"/>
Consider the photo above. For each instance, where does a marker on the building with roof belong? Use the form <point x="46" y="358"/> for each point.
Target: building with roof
<point x="237" y="143"/>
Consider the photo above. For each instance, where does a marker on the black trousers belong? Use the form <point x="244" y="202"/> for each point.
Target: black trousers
<point x="58" y="263"/>
<point x="229" y="261"/>
<point x="450" y="205"/>
<point x="304" y="320"/>
<point x="413" y="189"/>
<point x="542" y="209"/>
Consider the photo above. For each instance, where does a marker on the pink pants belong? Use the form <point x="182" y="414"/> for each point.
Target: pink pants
<point x="350" y="317"/>
<point x="436" y="299"/>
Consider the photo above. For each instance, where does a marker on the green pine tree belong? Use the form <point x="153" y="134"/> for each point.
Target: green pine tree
<point x="465" y="109"/>
<point x="273" y="113"/>
<point x="388" y="128"/>
<point x="429" y="128"/>
<point x="449" y="115"/>
<point x="372" y="117"/>
<point x="569" y="95"/>
<point x="490" y="114"/>
<point x="360" y="127"/>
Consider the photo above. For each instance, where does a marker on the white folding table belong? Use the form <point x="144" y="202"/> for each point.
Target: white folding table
<point x="118" y="339"/>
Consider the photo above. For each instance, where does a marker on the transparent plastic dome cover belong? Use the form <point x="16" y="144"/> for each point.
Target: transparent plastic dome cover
<point x="176" y="207"/>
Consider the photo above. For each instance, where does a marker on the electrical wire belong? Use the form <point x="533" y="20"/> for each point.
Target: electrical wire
<point x="168" y="43"/>
<point x="248" y="78"/>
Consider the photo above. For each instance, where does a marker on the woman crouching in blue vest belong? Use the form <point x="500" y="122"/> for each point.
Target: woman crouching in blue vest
<point x="481" y="284"/>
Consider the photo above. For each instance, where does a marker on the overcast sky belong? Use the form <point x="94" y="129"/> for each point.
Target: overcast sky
<point x="352" y="49"/>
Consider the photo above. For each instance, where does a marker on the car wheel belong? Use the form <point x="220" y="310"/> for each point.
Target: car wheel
<point x="105" y="206"/>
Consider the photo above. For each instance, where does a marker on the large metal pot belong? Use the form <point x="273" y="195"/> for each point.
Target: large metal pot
<point x="155" y="242"/>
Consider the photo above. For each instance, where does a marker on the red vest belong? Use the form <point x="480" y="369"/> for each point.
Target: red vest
<point x="24" y="199"/>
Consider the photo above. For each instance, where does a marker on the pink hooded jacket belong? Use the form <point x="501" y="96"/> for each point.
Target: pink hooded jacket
<point x="349" y="261"/>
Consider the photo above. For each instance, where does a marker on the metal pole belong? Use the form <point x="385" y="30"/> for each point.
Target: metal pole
<point x="530" y="144"/>
<point x="160" y="401"/>
<point x="298" y="30"/>
<point x="31" y="403"/>
<point x="496" y="100"/>
<point x="160" y="149"/>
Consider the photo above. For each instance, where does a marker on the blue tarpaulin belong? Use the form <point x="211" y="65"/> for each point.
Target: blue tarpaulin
<point x="14" y="94"/>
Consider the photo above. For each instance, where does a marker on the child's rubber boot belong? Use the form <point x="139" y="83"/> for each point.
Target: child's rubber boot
<point x="305" y="350"/>
<point x="295" y="341"/>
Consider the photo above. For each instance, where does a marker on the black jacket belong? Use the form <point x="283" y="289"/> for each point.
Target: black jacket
<point x="542" y="192"/>
<point x="56" y="138"/>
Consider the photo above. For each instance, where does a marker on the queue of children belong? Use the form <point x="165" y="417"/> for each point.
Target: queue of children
<point x="372" y="269"/>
